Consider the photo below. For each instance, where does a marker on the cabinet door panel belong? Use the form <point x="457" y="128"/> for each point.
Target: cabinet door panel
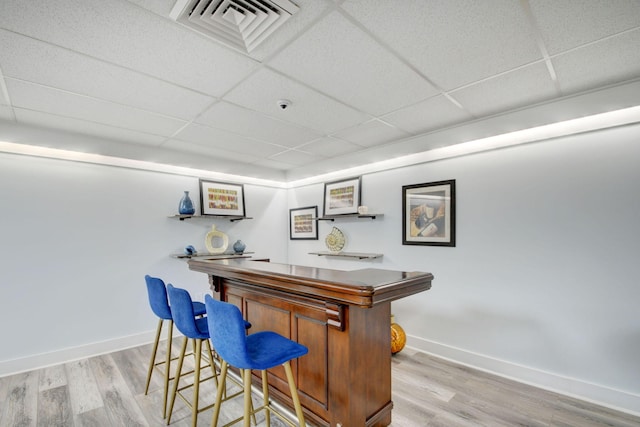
<point x="303" y="321"/>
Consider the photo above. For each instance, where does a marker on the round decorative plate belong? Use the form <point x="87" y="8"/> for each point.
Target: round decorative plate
<point x="335" y="240"/>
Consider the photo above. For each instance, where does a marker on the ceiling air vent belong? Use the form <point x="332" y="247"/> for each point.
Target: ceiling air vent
<point x="242" y="24"/>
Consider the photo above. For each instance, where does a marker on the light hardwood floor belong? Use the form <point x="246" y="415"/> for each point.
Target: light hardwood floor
<point x="108" y="390"/>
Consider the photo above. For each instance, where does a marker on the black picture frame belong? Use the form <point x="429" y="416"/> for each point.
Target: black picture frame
<point x="303" y="223"/>
<point x="221" y="199"/>
<point x="429" y="214"/>
<point x="342" y="197"/>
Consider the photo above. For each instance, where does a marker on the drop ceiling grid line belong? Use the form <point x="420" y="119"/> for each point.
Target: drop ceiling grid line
<point x="382" y="120"/>
<point x="222" y="98"/>
<point x="107" y="125"/>
<point x="5" y="93"/>
<point x="217" y="101"/>
<point x="326" y="95"/>
<point x="535" y="28"/>
<point x="298" y="126"/>
<point x="106" y="101"/>
<point x="494" y="76"/>
<point x="410" y="134"/>
<point x="191" y="121"/>
<point x="114" y="64"/>
<point x="330" y="8"/>
<point x="402" y="59"/>
<point x="249" y="138"/>
<point x="595" y="42"/>
<point x="300" y="148"/>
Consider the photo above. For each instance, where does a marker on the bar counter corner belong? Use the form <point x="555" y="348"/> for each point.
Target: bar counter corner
<point x="343" y="317"/>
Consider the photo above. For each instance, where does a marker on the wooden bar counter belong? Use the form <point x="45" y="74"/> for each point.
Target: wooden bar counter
<point x="343" y="317"/>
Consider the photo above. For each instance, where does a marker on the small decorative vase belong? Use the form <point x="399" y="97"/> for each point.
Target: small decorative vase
<point x="239" y="247"/>
<point x="219" y="236"/>
<point x="186" y="205"/>
<point x="398" y="336"/>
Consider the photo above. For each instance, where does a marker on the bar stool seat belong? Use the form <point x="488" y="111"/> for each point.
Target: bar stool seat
<point x="260" y="351"/>
<point x="159" y="303"/>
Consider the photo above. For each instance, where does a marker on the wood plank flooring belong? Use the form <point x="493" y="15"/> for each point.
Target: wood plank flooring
<point x="108" y="390"/>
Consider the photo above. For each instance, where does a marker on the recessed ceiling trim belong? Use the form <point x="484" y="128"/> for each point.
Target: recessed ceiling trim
<point x="591" y="123"/>
<point x="99" y="159"/>
<point x="622" y="117"/>
<point x="241" y="24"/>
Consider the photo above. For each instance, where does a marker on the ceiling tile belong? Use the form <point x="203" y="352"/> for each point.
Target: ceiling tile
<point x="209" y="150"/>
<point x="64" y="69"/>
<point x="233" y="118"/>
<point x="6" y="113"/>
<point x="66" y="104"/>
<point x="610" y="61"/>
<point x="3" y="96"/>
<point x="430" y="114"/>
<point x="217" y="138"/>
<point x="376" y="82"/>
<point x="199" y="157"/>
<point x="373" y="132"/>
<point x="122" y="33"/>
<point x="570" y="23"/>
<point x="69" y="124"/>
<point x="297" y="158"/>
<point x="309" y="11"/>
<point x="272" y="164"/>
<point x="262" y="90"/>
<point x="160" y="7"/>
<point x="453" y="42"/>
<point x="527" y="85"/>
<point x="329" y="147"/>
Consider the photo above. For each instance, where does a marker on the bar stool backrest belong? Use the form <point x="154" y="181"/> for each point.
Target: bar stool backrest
<point x="183" y="315"/>
<point x="158" y="297"/>
<point x="227" y="331"/>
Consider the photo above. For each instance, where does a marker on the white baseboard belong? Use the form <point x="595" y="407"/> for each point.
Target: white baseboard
<point x="29" y="363"/>
<point x="601" y="395"/>
<point x="598" y="394"/>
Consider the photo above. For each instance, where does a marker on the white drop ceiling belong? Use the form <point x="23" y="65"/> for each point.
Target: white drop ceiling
<point x="367" y="79"/>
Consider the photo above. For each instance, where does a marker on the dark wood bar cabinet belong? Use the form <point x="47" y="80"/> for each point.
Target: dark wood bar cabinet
<point x="343" y="317"/>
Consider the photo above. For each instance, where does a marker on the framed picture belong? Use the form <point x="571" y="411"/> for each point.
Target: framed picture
<point x="429" y="214"/>
<point x="342" y="197"/>
<point x="221" y="198"/>
<point x="303" y="224"/>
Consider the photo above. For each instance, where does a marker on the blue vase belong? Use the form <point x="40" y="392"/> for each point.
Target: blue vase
<point x="186" y="205"/>
<point x="239" y="247"/>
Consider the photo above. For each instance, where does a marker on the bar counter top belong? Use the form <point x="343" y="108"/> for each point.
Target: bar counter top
<point x="363" y="287"/>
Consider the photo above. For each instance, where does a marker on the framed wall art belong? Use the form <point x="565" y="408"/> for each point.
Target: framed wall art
<point x="429" y="214"/>
<point x="303" y="224"/>
<point x="342" y="197"/>
<point x="221" y="199"/>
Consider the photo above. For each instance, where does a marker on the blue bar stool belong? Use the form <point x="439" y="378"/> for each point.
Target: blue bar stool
<point x="260" y="351"/>
<point x="160" y="307"/>
<point x="195" y="329"/>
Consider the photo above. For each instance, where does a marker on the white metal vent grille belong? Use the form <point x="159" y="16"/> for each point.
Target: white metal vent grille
<point x="243" y="24"/>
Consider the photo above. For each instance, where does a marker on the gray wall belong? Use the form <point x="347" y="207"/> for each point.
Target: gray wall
<point x="77" y="240"/>
<point x="542" y="284"/>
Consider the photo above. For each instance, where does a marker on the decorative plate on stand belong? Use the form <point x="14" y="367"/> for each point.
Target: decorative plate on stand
<point x="335" y="240"/>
